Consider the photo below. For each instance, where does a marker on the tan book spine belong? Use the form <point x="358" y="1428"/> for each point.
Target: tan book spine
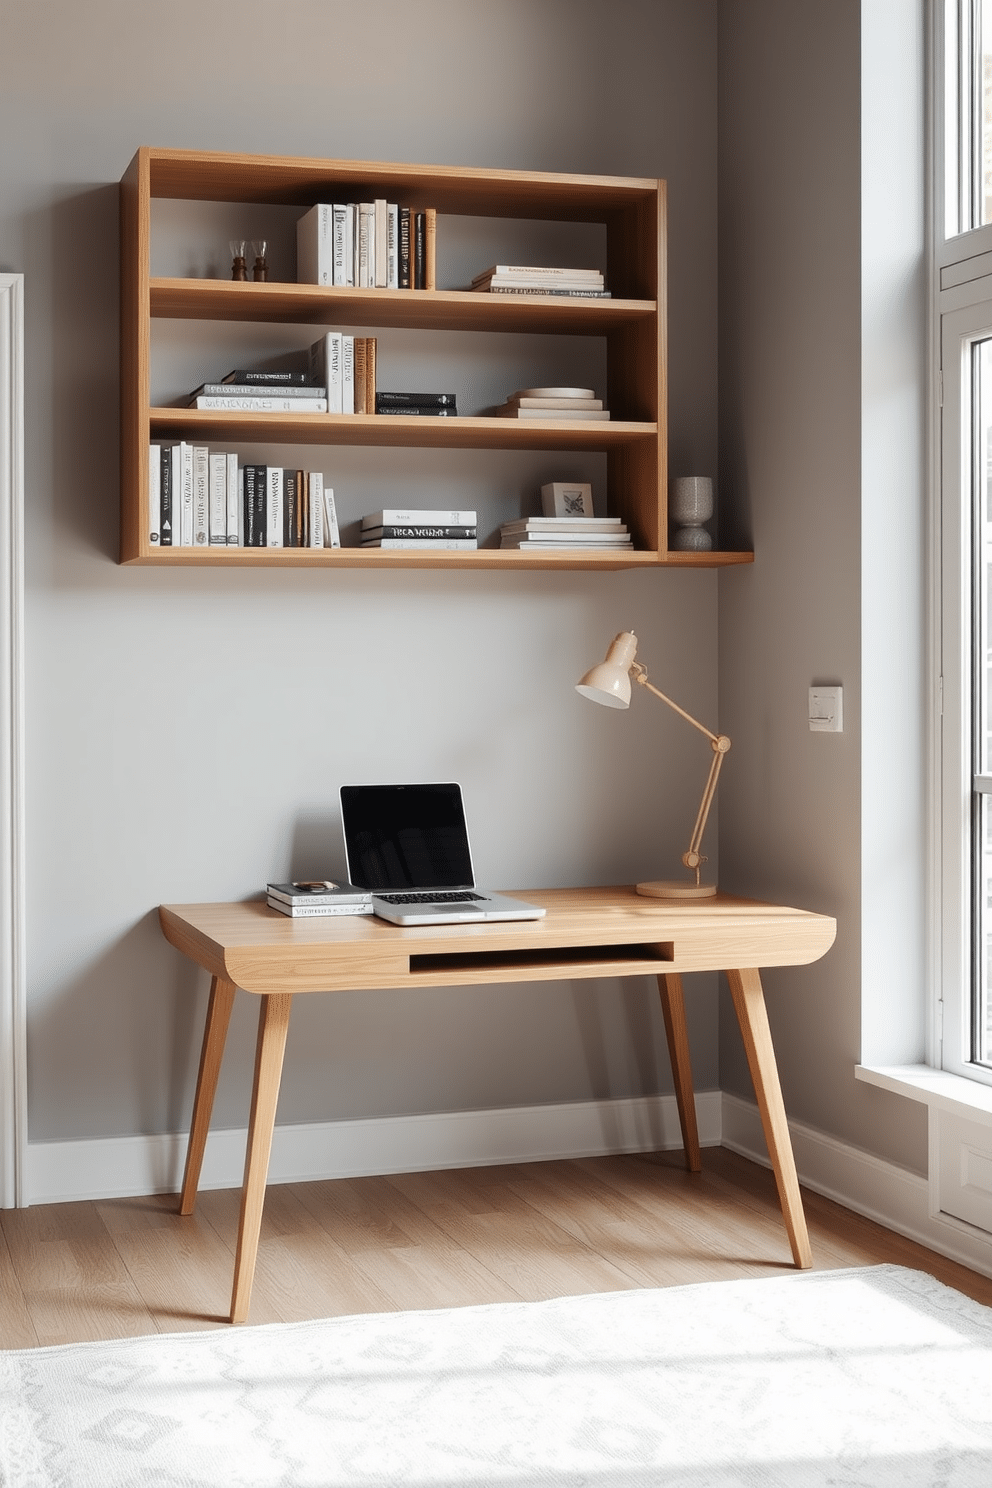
<point x="370" y="350"/>
<point x="360" y="345"/>
<point x="430" y="248"/>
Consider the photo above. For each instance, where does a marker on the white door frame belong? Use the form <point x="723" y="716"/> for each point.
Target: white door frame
<point x="13" y="1013"/>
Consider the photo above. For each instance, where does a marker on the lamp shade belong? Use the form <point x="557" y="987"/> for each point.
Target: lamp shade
<point x="609" y="682"/>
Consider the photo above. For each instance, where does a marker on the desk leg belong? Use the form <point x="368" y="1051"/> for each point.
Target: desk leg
<point x="214" y="1037"/>
<point x="273" y="1025"/>
<point x="749" y="1004"/>
<point x="673" y="1010"/>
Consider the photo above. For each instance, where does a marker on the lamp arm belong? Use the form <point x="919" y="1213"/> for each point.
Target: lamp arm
<point x="692" y="857"/>
<point x="641" y="676"/>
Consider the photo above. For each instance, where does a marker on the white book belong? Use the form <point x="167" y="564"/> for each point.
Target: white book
<point x="154" y="493"/>
<point x="393" y="246"/>
<point x="184" y="527"/>
<point x="443" y="544"/>
<point x="324" y="367"/>
<point x="398" y="516"/>
<point x="263" y="405"/>
<point x="333" y="359"/>
<point x="381" y="243"/>
<point x="365" y="226"/>
<point x="352" y="242"/>
<point x="315" y="507"/>
<point x="347" y="374"/>
<point x="232" y="521"/>
<point x="201" y="496"/>
<point x="218" y="499"/>
<point x="340" y="213"/>
<point x="332" y="537"/>
<point x="314" y="246"/>
<point x="241" y="507"/>
<point x="273" y="506"/>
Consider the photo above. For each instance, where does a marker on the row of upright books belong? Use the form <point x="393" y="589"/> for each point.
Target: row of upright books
<point x="400" y="528"/>
<point x="367" y="245"/>
<point x="198" y="498"/>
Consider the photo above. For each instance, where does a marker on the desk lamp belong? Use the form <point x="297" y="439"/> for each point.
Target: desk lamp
<point x="609" y="684"/>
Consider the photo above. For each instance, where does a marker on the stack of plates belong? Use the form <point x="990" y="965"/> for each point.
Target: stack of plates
<point x="553" y="403"/>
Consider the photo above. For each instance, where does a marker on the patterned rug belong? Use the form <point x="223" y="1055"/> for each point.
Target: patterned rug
<point x="862" y="1378"/>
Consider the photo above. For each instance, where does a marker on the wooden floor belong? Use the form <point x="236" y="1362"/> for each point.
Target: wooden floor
<point x="106" y="1270"/>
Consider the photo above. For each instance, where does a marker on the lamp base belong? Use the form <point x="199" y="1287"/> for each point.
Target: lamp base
<point x="675" y="889"/>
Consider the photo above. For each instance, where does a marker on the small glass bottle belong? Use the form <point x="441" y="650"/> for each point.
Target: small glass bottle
<point x="239" y="269"/>
<point x="260" y="270"/>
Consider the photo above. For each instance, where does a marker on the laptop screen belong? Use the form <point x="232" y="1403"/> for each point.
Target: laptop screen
<point x="406" y="837"/>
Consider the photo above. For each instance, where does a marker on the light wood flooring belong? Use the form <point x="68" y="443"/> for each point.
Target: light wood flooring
<point x="119" y="1268"/>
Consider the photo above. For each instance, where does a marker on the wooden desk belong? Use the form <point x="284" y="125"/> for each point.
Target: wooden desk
<point x="586" y="933"/>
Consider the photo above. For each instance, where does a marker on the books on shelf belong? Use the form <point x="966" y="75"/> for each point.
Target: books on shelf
<point x="315" y="898"/>
<point x="367" y="245"/>
<point x="397" y="529"/>
<point x="267" y="378"/>
<point x="200" y="497"/>
<point x="577" y="533"/>
<point x="553" y="403"/>
<point x="287" y="391"/>
<point x="260" y="403"/>
<point x="436" y="405"/>
<point x="530" y="280"/>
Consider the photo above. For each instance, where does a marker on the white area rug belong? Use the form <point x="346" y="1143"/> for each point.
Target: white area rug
<point x="869" y="1377"/>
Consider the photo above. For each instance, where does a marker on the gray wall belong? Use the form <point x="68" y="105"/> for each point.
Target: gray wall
<point x="802" y="812"/>
<point x="187" y="730"/>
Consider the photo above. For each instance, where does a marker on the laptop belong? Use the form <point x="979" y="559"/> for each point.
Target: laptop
<point x="408" y="844"/>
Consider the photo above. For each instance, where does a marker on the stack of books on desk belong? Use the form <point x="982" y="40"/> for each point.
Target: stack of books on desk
<point x="553" y="403"/>
<point x="576" y="533"/>
<point x="399" y="528"/>
<point x="318" y="897"/>
<point x="522" y="279"/>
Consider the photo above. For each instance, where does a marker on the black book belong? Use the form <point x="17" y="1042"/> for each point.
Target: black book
<point x="165" y="498"/>
<point x="416" y="400"/>
<point x="403" y="262"/>
<point x="290" y="509"/>
<point x="419" y="250"/>
<point x="255" y="486"/>
<point x="271" y="379"/>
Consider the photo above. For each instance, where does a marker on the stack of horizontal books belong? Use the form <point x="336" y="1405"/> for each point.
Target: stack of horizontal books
<point x="313" y="898"/>
<point x="576" y="533"/>
<point x="427" y="405"/>
<point x="553" y="403"/>
<point x="520" y="279"/>
<point x="261" y="392"/>
<point x="399" y="528"/>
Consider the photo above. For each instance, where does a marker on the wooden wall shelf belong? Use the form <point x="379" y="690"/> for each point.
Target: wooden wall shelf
<point x="632" y="324"/>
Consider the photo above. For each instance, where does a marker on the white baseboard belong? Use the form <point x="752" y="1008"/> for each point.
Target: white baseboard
<point x="890" y="1195"/>
<point x="117" y="1167"/>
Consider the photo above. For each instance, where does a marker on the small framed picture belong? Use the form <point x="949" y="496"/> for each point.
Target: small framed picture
<point x="566" y="499"/>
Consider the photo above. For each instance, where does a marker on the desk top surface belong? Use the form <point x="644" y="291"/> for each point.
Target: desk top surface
<point x="586" y="932"/>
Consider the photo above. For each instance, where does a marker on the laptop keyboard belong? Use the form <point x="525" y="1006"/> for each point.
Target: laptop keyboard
<point x="455" y="896"/>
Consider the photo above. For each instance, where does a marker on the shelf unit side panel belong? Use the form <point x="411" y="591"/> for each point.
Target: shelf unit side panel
<point x="135" y="357"/>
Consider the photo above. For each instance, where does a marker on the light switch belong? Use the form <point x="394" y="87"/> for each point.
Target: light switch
<point x="826" y="710"/>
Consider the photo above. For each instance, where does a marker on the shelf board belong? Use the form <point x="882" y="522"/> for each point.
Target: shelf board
<point x="198" y="425"/>
<point x="416" y="309"/>
<point x="193" y="175"/>
<point x="488" y="558"/>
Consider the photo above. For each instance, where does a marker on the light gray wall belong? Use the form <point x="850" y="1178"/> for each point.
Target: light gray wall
<point x="187" y="730"/>
<point x="799" y="812"/>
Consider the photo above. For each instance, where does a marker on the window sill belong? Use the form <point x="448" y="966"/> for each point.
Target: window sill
<point x="933" y="1087"/>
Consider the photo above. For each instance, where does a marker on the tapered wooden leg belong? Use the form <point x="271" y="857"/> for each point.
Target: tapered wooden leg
<point x="273" y="1025"/>
<point x="214" y="1037"/>
<point x="673" y="1009"/>
<point x="749" y="1004"/>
